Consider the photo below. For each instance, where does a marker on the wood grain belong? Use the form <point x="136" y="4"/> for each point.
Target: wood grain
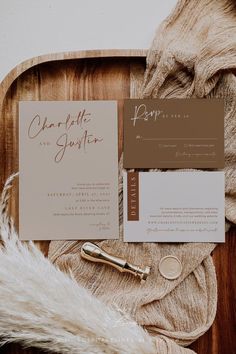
<point x="95" y="75"/>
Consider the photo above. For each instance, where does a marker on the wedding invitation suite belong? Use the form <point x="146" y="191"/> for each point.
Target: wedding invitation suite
<point x="174" y="206"/>
<point x="174" y="133"/>
<point x="68" y="161"/>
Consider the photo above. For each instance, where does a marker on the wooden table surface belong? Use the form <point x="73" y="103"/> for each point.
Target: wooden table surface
<point x="104" y="75"/>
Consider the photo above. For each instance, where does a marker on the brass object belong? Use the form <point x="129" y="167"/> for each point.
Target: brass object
<point x="93" y="253"/>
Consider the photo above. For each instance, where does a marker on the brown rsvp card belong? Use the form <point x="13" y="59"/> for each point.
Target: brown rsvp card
<point x="174" y="133"/>
<point x="68" y="160"/>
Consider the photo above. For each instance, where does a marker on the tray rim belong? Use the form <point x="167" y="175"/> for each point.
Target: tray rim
<point x="81" y="54"/>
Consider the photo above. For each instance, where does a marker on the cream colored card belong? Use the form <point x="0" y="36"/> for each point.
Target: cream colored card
<point x="68" y="161"/>
<point x="174" y="207"/>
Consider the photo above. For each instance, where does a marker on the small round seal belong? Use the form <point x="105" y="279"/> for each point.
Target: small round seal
<point x="170" y="267"/>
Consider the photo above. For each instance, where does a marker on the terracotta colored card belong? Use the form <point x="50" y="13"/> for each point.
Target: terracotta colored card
<point x="174" y="133"/>
<point x="68" y="170"/>
<point x="174" y="206"/>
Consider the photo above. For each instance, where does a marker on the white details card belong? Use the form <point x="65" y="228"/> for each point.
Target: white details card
<point x="68" y="170"/>
<point x="174" y="206"/>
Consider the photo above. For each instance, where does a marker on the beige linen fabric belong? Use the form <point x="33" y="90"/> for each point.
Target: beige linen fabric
<point x="192" y="55"/>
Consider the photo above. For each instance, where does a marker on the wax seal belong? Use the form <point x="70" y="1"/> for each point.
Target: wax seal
<point x="170" y="267"/>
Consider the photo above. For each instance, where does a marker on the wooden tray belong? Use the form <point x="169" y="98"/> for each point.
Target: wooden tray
<point x="107" y="75"/>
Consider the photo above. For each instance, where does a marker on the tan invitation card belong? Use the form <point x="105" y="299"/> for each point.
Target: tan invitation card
<point x="174" y="133"/>
<point x="68" y="162"/>
<point x="174" y="207"/>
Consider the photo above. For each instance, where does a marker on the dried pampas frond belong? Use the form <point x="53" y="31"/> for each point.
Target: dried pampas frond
<point x="42" y="307"/>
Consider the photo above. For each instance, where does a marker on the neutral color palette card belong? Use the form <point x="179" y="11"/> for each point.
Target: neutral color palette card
<point x="68" y="170"/>
<point x="174" y="207"/>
